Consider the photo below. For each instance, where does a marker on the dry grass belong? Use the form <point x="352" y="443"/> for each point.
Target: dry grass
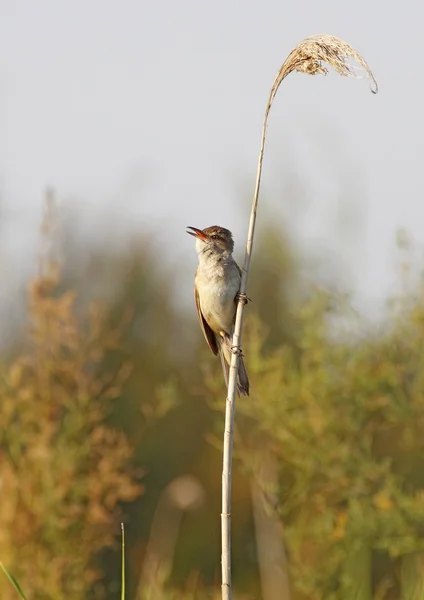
<point x="307" y="57"/>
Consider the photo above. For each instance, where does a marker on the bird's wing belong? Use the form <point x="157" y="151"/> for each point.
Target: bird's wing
<point x="207" y="331"/>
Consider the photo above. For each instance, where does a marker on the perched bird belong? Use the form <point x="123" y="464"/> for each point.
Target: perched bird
<point x="216" y="290"/>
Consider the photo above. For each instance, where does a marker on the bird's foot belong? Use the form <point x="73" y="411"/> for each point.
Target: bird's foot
<point x="236" y="350"/>
<point x="243" y="297"/>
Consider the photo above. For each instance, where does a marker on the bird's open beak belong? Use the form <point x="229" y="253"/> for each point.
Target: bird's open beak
<point x="198" y="233"/>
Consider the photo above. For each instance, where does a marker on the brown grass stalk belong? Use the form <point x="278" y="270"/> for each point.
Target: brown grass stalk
<point x="307" y="57"/>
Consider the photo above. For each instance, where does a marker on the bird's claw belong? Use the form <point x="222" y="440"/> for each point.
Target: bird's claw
<point x="237" y="351"/>
<point x="243" y="297"/>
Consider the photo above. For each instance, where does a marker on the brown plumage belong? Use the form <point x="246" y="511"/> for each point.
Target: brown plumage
<point x="216" y="286"/>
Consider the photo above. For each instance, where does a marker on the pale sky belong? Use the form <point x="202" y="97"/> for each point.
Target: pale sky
<point x="147" y="114"/>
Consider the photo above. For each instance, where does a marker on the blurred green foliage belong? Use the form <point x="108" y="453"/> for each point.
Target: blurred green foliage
<point x="345" y="420"/>
<point x="113" y="412"/>
<point x="64" y="471"/>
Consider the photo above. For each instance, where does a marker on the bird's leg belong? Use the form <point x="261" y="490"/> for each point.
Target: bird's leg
<point x="243" y="297"/>
<point x="233" y="349"/>
<point x="236" y="350"/>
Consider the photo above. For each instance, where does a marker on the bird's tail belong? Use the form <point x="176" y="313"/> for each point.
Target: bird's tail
<point x="225" y="356"/>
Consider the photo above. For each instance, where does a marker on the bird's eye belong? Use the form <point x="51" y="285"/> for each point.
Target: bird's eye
<point x="214" y="236"/>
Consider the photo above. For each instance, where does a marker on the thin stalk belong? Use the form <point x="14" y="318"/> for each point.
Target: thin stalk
<point x="306" y="57"/>
<point x="13" y="581"/>
<point x="230" y="404"/>
<point x="122" y="562"/>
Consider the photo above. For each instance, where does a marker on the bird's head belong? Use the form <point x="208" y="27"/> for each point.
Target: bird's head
<point x="213" y="239"/>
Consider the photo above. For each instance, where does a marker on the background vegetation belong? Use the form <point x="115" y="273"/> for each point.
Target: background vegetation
<point x="112" y="410"/>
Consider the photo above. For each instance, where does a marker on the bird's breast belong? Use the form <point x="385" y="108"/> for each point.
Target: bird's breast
<point x="217" y="289"/>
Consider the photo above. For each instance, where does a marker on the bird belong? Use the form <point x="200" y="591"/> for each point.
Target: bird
<point x="216" y="292"/>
